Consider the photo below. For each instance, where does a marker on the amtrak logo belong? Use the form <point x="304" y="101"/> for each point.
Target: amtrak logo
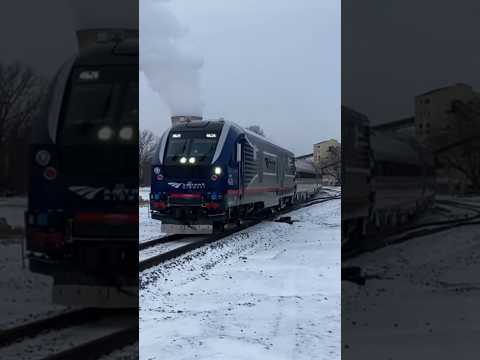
<point x="187" y="186"/>
<point x="119" y="192"/>
<point x="175" y="184"/>
<point x="86" y="192"/>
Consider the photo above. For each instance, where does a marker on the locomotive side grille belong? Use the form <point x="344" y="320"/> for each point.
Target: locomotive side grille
<point x="186" y="172"/>
<point x="250" y="163"/>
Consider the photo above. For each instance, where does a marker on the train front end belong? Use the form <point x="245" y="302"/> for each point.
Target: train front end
<point x="190" y="177"/>
<point x="82" y="218"/>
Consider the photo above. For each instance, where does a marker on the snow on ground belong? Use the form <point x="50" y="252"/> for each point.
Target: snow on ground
<point x="13" y="210"/>
<point x="268" y="292"/>
<point x="419" y="294"/>
<point x="149" y="229"/>
<point x="24" y="296"/>
<point x="144" y="193"/>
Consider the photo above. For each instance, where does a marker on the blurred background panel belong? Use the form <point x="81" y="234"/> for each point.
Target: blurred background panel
<point x="410" y="166"/>
<point x="69" y="178"/>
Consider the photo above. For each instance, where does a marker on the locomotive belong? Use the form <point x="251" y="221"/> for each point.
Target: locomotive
<point x="82" y="216"/>
<point x="387" y="180"/>
<point x="206" y="174"/>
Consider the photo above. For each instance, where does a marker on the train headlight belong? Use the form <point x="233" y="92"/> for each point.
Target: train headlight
<point x="183" y="160"/>
<point x="217" y="170"/>
<point x="156" y="170"/>
<point x="105" y="133"/>
<point x="126" y="133"/>
<point x="42" y="157"/>
<point x="191" y="160"/>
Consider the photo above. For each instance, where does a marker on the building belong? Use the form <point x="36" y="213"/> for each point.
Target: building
<point x="326" y="157"/>
<point x="435" y="116"/>
<point x="447" y="121"/>
<point x="324" y="151"/>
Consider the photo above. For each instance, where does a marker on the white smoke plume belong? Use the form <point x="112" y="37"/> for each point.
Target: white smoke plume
<point x="172" y="73"/>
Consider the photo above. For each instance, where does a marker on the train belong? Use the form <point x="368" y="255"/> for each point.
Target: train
<point x="209" y="173"/>
<point x="308" y="178"/>
<point x="388" y="179"/>
<point x="82" y="216"/>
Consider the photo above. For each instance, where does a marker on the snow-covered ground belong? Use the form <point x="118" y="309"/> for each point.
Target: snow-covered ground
<point x="144" y="193"/>
<point x="13" y="210"/>
<point x="24" y="296"/>
<point x="419" y="294"/>
<point x="269" y="292"/>
<point x="149" y="229"/>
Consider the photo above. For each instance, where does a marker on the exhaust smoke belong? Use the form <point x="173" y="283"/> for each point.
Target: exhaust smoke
<point x="172" y="73"/>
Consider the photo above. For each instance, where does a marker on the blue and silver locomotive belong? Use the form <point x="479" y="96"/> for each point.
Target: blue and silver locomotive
<point x="209" y="173"/>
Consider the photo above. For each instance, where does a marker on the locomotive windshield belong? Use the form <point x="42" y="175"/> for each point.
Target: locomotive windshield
<point x="100" y="102"/>
<point x="98" y="126"/>
<point x="190" y="148"/>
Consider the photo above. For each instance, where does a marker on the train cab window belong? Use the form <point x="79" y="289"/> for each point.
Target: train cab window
<point x="202" y="147"/>
<point x="91" y="103"/>
<point x="96" y="102"/>
<point x="190" y="147"/>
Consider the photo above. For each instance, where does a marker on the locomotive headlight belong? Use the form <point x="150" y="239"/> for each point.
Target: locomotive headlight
<point x="105" y="133"/>
<point x="42" y="157"/>
<point x="126" y="133"/>
<point x="217" y="170"/>
<point x="191" y="160"/>
<point x="183" y="160"/>
<point x="156" y="170"/>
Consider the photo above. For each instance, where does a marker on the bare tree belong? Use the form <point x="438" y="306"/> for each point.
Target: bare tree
<point x="256" y="129"/>
<point x="458" y="145"/>
<point x="22" y="93"/>
<point x="331" y="164"/>
<point x="146" y="147"/>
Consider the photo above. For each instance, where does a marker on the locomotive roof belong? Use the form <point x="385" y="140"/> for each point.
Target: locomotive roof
<point x="120" y="53"/>
<point x="205" y="125"/>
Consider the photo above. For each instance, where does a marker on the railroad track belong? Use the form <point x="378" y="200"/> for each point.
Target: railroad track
<point x="177" y="245"/>
<point x="408" y="233"/>
<point x="79" y="334"/>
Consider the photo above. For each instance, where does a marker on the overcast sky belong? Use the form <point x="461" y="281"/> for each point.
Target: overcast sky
<point x="394" y="50"/>
<point x="275" y="63"/>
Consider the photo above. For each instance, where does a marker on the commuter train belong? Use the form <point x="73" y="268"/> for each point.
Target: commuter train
<point x="387" y="180"/>
<point x="206" y="174"/>
<point x="82" y="216"/>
